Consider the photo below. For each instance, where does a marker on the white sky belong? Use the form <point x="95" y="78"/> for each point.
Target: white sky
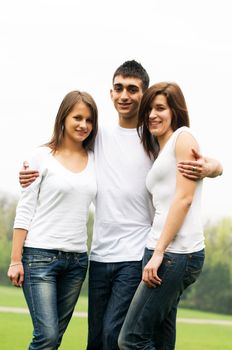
<point x="49" y="48"/>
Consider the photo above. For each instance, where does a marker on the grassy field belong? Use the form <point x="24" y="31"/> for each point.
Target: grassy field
<point x="15" y="330"/>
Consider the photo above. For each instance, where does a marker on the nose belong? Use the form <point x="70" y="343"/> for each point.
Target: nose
<point x="152" y="114"/>
<point x="124" y="94"/>
<point x="83" y="123"/>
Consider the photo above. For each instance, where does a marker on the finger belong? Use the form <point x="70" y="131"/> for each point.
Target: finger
<point x="191" y="176"/>
<point x="151" y="277"/>
<point x="27" y="181"/>
<point x="156" y="280"/>
<point x="188" y="163"/>
<point x="27" y="174"/>
<point x="21" y="279"/>
<point x="191" y="169"/>
<point x="25" y="165"/>
<point x="148" y="283"/>
<point x="145" y="278"/>
<point x="196" y="153"/>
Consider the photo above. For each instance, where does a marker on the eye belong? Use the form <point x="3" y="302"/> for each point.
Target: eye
<point x="117" y="88"/>
<point x="133" y="90"/>
<point x="77" y="118"/>
<point x="89" y="121"/>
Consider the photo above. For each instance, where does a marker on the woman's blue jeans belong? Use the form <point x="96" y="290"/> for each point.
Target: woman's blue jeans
<point x="151" y="319"/>
<point x="52" y="284"/>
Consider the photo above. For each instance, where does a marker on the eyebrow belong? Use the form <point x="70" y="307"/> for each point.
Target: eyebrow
<point x="128" y="86"/>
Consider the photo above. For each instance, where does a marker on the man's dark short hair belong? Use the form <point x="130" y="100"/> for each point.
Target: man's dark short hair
<point x="133" y="69"/>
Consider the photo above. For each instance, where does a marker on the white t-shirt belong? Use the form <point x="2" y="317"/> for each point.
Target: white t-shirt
<point x="124" y="212"/>
<point x="54" y="209"/>
<point x="161" y="182"/>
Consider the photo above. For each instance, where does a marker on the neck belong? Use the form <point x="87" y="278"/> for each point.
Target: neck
<point x="130" y="123"/>
<point x="162" y="140"/>
<point x="69" y="147"/>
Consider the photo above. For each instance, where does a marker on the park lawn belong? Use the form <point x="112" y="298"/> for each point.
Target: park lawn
<point x="16" y="329"/>
<point x="203" y="337"/>
<point x="16" y="332"/>
<point x="12" y="296"/>
<point x="188" y="313"/>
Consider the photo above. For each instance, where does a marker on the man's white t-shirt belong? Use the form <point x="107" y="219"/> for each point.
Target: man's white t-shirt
<point x="124" y="211"/>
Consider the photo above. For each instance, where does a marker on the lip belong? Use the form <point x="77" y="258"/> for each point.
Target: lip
<point x="155" y="124"/>
<point x="82" y="133"/>
<point x="124" y="105"/>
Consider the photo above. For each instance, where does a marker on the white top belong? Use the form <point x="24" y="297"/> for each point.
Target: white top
<point x="123" y="205"/>
<point x="54" y="209"/>
<point x="161" y="182"/>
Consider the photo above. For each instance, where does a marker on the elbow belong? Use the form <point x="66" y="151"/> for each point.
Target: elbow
<point x="186" y="201"/>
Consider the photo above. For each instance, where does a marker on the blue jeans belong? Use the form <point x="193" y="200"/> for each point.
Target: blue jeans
<point x="151" y="319"/>
<point x="52" y="284"/>
<point x="111" y="289"/>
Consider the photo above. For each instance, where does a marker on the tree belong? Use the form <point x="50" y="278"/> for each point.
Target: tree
<point x="7" y="214"/>
<point x="212" y="291"/>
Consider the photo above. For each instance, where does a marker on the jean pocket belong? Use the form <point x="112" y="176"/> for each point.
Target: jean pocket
<point x="194" y="267"/>
<point x="39" y="260"/>
<point x="167" y="265"/>
<point x="82" y="260"/>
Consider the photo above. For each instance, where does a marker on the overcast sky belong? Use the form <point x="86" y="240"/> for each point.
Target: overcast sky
<point x="49" y="48"/>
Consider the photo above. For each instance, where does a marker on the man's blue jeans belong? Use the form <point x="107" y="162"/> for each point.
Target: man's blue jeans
<point x="151" y="319"/>
<point x="111" y="289"/>
<point x="52" y="285"/>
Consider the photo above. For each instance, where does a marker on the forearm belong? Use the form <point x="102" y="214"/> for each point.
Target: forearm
<point x="174" y="221"/>
<point x="215" y="167"/>
<point x="19" y="236"/>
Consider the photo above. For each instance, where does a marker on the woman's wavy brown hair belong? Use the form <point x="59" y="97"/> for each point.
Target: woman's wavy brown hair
<point x="176" y="103"/>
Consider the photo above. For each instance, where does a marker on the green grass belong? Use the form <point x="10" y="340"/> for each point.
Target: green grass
<point x="11" y="296"/>
<point x="16" y="333"/>
<point x="187" y="313"/>
<point x="203" y="337"/>
<point x="16" y="329"/>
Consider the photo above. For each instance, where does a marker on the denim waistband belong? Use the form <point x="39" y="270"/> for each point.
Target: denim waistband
<point x="29" y="250"/>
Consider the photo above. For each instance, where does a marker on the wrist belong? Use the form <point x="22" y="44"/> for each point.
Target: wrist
<point x="15" y="264"/>
<point x="159" y="251"/>
<point x="16" y="260"/>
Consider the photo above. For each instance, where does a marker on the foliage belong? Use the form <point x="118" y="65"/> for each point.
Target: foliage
<point x="212" y="291"/>
<point x="7" y="213"/>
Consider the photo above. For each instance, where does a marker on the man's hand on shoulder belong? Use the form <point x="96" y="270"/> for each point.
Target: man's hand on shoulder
<point x="26" y="175"/>
<point x="200" y="168"/>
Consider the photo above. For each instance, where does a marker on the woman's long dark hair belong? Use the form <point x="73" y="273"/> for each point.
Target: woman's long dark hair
<point x="176" y="103"/>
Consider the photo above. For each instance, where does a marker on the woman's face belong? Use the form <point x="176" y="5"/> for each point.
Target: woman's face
<point x="79" y="123"/>
<point x="160" y="117"/>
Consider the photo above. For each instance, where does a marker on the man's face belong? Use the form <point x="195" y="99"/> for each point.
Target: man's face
<point x="126" y="96"/>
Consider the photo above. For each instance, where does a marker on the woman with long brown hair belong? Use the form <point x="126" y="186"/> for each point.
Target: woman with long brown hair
<point x="174" y="253"/>
<point x="49" y="251"/>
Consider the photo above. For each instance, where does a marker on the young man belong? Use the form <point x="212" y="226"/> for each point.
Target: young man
<point x="122" y="217"/>
<point x="123" y="213"/>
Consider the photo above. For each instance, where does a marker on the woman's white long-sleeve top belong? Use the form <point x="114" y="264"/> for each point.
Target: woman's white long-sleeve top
<point x="54" y="209"/>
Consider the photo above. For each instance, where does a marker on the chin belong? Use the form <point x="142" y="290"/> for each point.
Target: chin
<point x="154" y="132"/>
